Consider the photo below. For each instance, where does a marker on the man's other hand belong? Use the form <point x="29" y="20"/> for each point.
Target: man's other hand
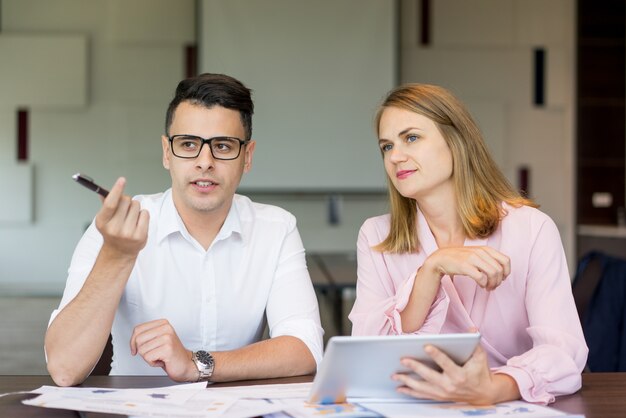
<point x="158" y="344"/>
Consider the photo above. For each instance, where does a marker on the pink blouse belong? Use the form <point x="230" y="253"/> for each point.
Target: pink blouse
<point x="529" y="324"/>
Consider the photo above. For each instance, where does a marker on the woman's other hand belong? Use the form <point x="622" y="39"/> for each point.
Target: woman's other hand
<point x="472" y="383"/>
<point x="484" y="265"/>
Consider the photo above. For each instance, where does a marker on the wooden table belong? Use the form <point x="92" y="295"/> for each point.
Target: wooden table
<point x="603" y="394"/>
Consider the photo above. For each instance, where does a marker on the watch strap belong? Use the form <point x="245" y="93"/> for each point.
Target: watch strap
<point x="204" y="363"/>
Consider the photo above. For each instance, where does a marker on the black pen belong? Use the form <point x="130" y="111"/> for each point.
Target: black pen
<point x="88" y="183"/>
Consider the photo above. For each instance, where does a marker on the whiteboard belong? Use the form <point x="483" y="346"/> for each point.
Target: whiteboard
<point x="318" y="71"/>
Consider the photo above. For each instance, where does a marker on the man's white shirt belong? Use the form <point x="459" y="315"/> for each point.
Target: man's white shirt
<point x="216" y="299"/>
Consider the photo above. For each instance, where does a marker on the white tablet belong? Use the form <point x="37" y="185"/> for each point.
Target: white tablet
<point x="358" y="367"/>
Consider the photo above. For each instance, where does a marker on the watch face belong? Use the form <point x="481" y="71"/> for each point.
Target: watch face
<point x="204" y="358"/>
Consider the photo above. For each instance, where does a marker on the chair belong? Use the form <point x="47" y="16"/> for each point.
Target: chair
<point x="599" y="290"/>
<point x="103" y="366"/>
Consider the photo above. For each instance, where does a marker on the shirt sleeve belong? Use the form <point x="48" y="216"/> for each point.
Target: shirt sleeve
<point x="554" y="364"/>
<point x="83" y="259"/>
<point x="378" y="302"/>
<point x="292" y="307"/>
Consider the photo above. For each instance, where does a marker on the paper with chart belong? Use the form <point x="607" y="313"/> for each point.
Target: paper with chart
<point x="280" y="400"/>
<point x="191" y="400"/>
<point x="291" y="399"/>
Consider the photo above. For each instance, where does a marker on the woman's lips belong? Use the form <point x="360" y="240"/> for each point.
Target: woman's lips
<point x="402" y="174"/>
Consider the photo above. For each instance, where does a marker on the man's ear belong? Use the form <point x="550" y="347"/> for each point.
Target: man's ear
<point x="249" y="152"/>
<point x="165" y="143"/>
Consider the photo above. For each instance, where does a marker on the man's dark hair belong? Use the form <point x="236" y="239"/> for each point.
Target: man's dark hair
<point x="210" y="90"/>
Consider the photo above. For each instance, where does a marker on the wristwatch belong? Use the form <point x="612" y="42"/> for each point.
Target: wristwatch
<point x="205" y="363"/>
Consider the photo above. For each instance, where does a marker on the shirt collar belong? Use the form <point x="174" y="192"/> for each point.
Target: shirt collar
<point x="232" y="223"/>
<point x="169" y="221"/>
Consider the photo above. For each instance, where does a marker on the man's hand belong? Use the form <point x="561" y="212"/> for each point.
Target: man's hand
<point x="484" y="265"/>
<point x="122" y="223"/>
<point x="157" y="342"/>
<point x="473" y="382"/>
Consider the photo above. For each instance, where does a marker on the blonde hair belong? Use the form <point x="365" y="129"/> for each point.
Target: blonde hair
<point x="479" y="184"/>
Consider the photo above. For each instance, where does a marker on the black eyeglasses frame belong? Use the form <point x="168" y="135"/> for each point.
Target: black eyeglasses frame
<point x="208" y="142"/>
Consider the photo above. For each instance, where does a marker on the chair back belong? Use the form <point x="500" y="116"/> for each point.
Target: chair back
<point x="103" y="366"/>
<point x="599" y="290"/>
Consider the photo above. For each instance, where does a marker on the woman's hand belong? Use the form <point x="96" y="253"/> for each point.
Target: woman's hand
<point x="472" y="383"/>
<point x="485" y="265"/>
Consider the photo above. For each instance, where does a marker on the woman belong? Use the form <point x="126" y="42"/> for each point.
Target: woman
<point x="462" y="251"/>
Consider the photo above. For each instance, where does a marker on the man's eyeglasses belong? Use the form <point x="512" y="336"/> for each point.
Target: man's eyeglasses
<point x="222" y="147"/>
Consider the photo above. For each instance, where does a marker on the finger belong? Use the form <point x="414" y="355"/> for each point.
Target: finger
<point x="133" y="342"/>
<point x="416" y="393"/>
<point x="154" y="357"/>
<point x="161" y="342"/>
<point x="132" y="216"/>
<point x="143" y="223"/>
<point x="149" y="325"/>
<point x="479" y="355"/>
<point x="161" y="355"/>
<point x="110" y="203"/>
<point x="475" y="273"/>
<point x="487" y="273"/>
<point x="442" y="360"/>
<point x="417" y="388"/>
<point x="117" y="191"/>
<point x="412" y="383"/>
<point x="121" y="212"/>
<point x="152" y="333"/>
<point x="502" y="259"/>
<point x="133" y="345"/>
<point x="114" y="226"/>
<point x="491" y="268"/>
<point x="474" y="263"/>
<point x="422" y="370"/>
<point x="497" y="273"/>
<point x="141" y="329"/>
<point x="454" y="378"/>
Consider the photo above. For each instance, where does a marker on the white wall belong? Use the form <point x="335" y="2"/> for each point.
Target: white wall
<point x="482" y="50"/>
<point x="316" y="89"/>
<point x="135" y="59"/>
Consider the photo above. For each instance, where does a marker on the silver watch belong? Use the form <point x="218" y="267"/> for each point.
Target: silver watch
<point x="205" y="363"/>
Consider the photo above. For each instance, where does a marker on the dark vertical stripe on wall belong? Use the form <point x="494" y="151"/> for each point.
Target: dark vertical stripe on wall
<point x="397" y="42"/>
<point x="539" y="96"/>
<point x="191" y="60"/>
<point x="22" y="134"/>
<point x="191" y="50"/>
<point x="425" y="23"/>
<point x="523" y="181"/>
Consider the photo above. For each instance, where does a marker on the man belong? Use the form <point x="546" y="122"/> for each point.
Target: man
<point x="183" y="280"/>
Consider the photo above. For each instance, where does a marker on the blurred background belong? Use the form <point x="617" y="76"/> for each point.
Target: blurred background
<point x="84" y="85"/>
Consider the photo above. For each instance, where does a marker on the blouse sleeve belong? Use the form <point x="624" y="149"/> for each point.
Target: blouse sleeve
<point x="379" y="300"/>
<point x="554" y="364"/>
